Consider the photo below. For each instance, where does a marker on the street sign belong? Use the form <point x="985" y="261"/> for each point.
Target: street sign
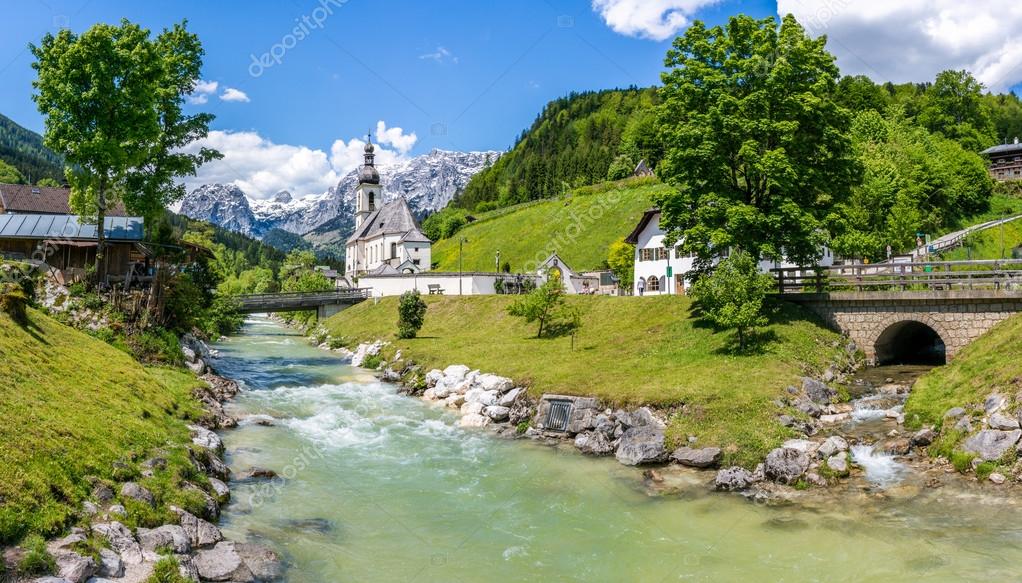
<point x="670" y="271"/>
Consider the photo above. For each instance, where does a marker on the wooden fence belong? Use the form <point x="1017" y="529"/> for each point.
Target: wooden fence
<point x="998" y="274"/>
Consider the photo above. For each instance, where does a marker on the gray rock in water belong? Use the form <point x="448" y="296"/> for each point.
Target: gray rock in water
<point x="642" y="445"/>
<point x="311" y="525"/>
<point x="832" y="446"/>
<point x="991" y="444"/>
<point x="733" y="479"/>
<point x="135" y="492"/>
<point x="838" y="463"/>
<point x="222" y="563"/>
<point x="704" y="457"/>
<point x="594" y="443"/>
<point x="786" y="465"/>
<point x="1002" y="421"/>
<point x="924" y="437"/>
<point x="497" y="413"/>
<point x="508" y="399"/>
<point x="818" y="392"/>
<point x="954" y="413"/>
<point x="264" y="564"/>
<point x="895" y="446"/>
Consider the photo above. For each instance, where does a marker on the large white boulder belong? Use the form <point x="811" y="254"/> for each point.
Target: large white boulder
<point x="456" y="373"/>
<point x="474" y="420"/>
<point x="492" y="382"/>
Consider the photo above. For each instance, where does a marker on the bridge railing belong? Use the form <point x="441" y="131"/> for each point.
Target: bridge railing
<point x="304" y="297"/>
<point x="999" y="274"/>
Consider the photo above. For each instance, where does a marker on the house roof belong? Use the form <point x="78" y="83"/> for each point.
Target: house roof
<point x="647" y="216"/>
<point x="68" y="227"/>
<point x="25" y="198"/>
<point x="1003" y="149"/>
<point x="392" y="218"/>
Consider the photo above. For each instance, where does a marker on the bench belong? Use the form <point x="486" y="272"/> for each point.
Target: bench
<point x="435" y="289"/>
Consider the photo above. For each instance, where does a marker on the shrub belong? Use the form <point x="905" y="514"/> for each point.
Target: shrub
<point x="222" y="318"/>
<point x="14" y="303"/>
<point x="411" y="313"/>
<point x="544" y="305"/>
<point x="155" y="346"/>
<point x="732" y="296"/>
<point x="372" y="361"/>
<point x="37" y="560"/>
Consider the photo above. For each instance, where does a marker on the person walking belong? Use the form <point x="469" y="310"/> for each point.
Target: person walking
<point x="641" y="286"/>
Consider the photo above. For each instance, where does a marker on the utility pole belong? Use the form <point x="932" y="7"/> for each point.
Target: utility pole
<point x="1003" y="219"/>
<point x="461" y="263"/>
<point x="498" y="261"/>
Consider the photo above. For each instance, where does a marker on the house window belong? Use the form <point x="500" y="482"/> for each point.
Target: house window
<point x="653" y="284"/>
<point x="660" y="253"/>
<point x="645" y="255"/>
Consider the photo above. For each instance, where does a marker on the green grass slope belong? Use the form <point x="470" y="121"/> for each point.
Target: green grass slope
<point x="74" y="410"/>
<point x="630" y="351"/>
<point x="579" y="227"/>
<point x="990" y="364"/>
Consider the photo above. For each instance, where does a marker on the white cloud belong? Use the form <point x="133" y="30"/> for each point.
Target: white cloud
<point x="913" y="40"/>
<point x="232" y="94"/>
<point x="200" y="94"/>
<point x="395" y="137"/>
<point x="653" y="19"/>
<point x="262" y="168"/>
<point x="440" y="55"/>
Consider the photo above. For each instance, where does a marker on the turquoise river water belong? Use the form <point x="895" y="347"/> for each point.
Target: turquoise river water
<point x="379" y="487"/>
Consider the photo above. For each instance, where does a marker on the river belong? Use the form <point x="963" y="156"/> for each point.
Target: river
<point x="375" y="486"/>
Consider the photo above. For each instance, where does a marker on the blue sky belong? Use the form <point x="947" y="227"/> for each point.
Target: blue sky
<point x="452" y="75"/>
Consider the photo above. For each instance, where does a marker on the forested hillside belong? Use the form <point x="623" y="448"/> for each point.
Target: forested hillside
<point x="573" y="142"/>
<point x="24" y="150"/>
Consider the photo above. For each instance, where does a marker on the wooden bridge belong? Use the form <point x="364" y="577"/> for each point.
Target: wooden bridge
<point x="895" y="311"/>
<point x="325" y="303"/>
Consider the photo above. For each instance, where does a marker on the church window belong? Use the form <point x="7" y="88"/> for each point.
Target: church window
<point x="393" y="250"/>
<point x="372" y="200"/>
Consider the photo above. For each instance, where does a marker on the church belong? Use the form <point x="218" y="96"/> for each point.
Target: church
<point x="387" y="239"/>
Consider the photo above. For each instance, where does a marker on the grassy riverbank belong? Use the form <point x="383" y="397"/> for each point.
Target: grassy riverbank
<point x="75" y="411"/>
<point x="631" y="351"/>
<point x="990" y="364"/>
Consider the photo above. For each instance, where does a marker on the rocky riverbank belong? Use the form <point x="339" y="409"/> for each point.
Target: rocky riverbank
<point x="848" y="430"/>
<point x="105" y="548"/>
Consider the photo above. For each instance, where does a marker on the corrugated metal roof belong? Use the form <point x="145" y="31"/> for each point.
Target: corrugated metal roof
<point x="1003" y="149"/>
<point x="68" y="227"/>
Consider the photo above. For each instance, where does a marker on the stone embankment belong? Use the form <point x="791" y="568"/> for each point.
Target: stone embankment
<point x="200" y="549"/>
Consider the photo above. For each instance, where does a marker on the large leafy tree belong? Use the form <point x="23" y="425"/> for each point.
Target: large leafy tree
<point x="112" y="97"/>
<point x="756" y="145"/>
<point x="954" y="107"/>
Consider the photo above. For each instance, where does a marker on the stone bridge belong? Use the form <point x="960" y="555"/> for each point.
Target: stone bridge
<point x="912" y="326"/>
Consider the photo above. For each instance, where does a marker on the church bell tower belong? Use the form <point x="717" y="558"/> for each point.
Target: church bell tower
<point x="368" y="193"/>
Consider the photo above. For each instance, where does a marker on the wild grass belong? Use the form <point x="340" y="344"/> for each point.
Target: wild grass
<point x="579" y="227"/>
<point x="990" y="364"/>
<point x="629" y="352"/>
<point x="74" y="410"/>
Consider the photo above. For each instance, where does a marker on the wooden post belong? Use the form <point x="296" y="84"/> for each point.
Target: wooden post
<point x="780" y="281"/>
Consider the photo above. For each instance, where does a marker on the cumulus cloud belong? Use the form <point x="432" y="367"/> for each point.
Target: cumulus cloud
<point x="262" y="168"/>
<point x="201" y="92"/>
<point x="913" y="40"/>
<point x="232" y="94"/>
<point x="440" y="55"/>
<point x="652" y="19"/>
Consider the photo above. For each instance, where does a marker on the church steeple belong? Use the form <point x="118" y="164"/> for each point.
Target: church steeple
<point x="368" y="193"/>
<point x="368" y="173"/>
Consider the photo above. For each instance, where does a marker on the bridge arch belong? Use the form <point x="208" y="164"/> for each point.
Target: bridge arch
<point x="910" y="339"/>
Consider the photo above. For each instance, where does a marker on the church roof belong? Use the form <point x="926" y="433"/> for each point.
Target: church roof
<point x="392" y="218"/>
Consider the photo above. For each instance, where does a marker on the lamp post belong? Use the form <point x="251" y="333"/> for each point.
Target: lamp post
<point x="498" y="261"/>
<point x="461" y="263"/>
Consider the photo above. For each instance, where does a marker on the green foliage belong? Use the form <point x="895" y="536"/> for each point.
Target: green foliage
<point x="621" y="259"/>
<point x="286" y="241"/>
<point x="732" y="295"/>
<point x="9" y="174"/>
<point x="372" y="361"/>
<point x="299" y="275"/>
<point x="757" y="146"/>
<point x="24" y="150"/>
<point x="411" y="313"/>
<point x="954" y="108"/>
<point x="962" y="461"/>
<point x="571" y="143"/>
<point x="37" y="560"/>
<point x="544" y="305"/>
<point x="445" y="223"/>
<point x="622" y="167"/>
<point x="984" y="469"/>
<point x="166" y="570"/>
<point x="48" y="182"/>
<point x="113" y="99"/>
<point x="913" y="181"/>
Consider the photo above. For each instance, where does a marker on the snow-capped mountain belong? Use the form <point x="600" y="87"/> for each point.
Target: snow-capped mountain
<point x="428" y="182"/>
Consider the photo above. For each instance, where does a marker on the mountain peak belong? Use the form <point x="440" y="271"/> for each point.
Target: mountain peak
<point x="283" y="197"/>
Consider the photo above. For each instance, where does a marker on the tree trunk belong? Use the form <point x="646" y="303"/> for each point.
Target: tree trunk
<point x="100" y="233"/>
<point x="741" y="338"/>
